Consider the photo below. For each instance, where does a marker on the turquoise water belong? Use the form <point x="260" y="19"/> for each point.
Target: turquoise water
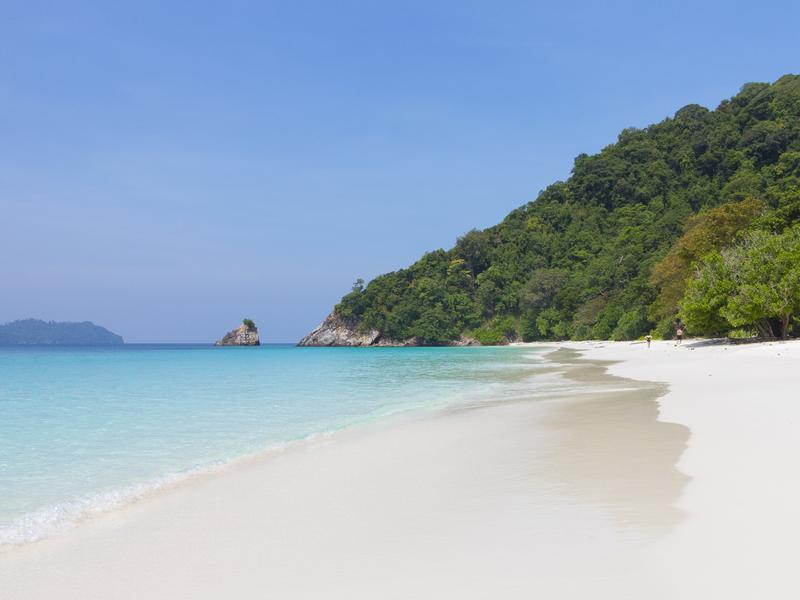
<point x="83" y="429"/>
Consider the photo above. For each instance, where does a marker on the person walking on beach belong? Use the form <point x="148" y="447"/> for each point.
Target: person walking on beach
<point x="648" y="338"/>
<point x="679" y="335"/>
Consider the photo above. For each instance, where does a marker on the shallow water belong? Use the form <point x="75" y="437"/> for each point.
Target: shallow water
<point x="83" y="429"/>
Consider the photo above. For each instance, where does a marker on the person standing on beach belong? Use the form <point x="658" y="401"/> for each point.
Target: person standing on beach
<point x="648" y="338"/>
<point x="679" y="335"/>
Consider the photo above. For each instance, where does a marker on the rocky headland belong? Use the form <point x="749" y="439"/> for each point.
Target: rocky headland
<point x="335" y="331"/>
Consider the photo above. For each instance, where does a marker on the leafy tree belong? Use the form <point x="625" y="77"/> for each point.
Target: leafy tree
<point x="549" y="324"/>
<point x="473" y="249"/>
<point x="497" y="332"/>
<point x="706" y="296"/>
<point x="541" y="288"/>
<point x="754" y="284"/>
<point x="710" y="230"/>
<point x="434" y="326"/>
<point x="630" y="325"/>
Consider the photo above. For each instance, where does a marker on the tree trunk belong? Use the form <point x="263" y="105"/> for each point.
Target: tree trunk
<point x="785" y="327"/>
<point x="764" y="329"/>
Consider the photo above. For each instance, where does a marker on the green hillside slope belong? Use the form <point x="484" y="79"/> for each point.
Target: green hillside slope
<point x="580" y="261"/>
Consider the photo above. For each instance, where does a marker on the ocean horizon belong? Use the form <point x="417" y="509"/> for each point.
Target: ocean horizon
<point x="86" y="429"/>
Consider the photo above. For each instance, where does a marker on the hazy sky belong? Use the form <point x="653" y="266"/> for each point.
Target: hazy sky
<point x="168" y="170"/>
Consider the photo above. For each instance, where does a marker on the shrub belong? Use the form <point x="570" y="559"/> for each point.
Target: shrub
<point x="499" y="331"/>
<point x="630" y="326"/>
<point x="664" y="329"/>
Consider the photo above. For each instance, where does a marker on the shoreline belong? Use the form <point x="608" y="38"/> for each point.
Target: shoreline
<point x="467" y="489"/>
<point x="75" y="512"/>
<point x="739" y="536"/>
<point x="601" y="493"/>
<point x="55" y="520"/>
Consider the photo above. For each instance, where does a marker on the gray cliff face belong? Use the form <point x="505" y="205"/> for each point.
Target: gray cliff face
<point x="335" y="331"/>
<point x="241" y="336"/>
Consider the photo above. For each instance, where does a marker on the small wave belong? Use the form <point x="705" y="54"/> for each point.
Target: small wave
<point x="63" y="516"/>
<point x="58" y="518"/>
<point x="55" y="519"/>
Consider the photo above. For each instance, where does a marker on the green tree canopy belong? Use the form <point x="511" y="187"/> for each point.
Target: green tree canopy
<point x="607" y="252"/>
<point x="754" y="284"/>
<point x="710" y="230"/>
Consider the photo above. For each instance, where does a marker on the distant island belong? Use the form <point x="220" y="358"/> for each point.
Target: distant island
<point x="37" y="332"/>
<point x="691" y="223"/>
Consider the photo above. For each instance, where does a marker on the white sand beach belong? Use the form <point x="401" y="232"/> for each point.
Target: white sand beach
<point x="681" y="486"/>
<point x="740" y="535"/>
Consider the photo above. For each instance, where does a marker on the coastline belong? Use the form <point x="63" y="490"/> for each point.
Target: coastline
<point x="178" y="411"/>
<point x="571" y="495"/>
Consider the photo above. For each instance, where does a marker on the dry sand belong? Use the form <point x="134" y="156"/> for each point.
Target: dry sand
<point x="742" y="504"/>
<point x="575" y="495"/>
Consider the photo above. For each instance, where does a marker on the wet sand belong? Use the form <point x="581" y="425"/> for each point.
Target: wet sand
<point x="738" y="537"/>
<point x="613" y="451"/>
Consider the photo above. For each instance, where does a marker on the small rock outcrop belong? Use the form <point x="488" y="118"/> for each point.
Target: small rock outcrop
<point x="335" y="331"/>
<point x="244" y="335"/>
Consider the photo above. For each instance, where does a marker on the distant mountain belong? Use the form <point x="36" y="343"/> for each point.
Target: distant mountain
<point x="36" y="331"/>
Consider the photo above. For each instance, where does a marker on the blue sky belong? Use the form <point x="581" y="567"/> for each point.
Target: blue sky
<point x="168" y="168"/>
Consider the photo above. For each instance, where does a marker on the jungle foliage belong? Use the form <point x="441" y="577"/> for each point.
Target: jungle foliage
<point x="609" y="253"/>
<point x="755" y="283"/>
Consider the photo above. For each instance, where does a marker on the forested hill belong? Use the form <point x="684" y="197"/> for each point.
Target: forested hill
<point x="37" y="332"/>
<point x="608" y="252"/>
